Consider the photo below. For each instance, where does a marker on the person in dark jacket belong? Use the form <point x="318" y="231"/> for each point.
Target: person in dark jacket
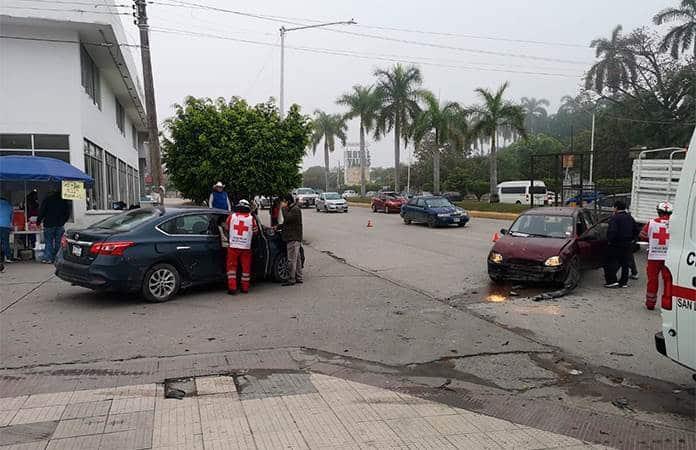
<point x="53" y="214"/>
<point x="292" y="235"/>
<point x="620" y="237"/>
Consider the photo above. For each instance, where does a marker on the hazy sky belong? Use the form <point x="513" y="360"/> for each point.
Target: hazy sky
<point x="201" y="66"/>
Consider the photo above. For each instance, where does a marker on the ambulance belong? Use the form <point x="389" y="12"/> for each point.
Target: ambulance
<point x="677" y="340"/>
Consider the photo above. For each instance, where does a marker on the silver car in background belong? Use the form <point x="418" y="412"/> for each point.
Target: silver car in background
<point x="331" y="201"/>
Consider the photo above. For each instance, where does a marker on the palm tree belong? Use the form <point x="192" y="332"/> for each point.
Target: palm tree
<point x="398" y="88"/>
<point x="534" y="110"/>
<point x="362" y="102"/>
<point x="328" y="127"/>
<point x="495" y="112"/>
<point x="683" y="35"/>
<point x="447" y="122"/>
<point x="617" y="66"/>
<point x="568" y="105"/>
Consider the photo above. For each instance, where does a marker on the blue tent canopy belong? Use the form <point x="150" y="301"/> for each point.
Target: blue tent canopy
<point x="37" y="168"/>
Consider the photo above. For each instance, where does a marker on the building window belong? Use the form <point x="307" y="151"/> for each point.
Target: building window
<point x="131" y="186"/>
<point x="122" y="181"/>
<point x="90" y="77"/>
<point x="134" y="136"/>
<point x="120" y="117"/>
<point x="111" y="178"/>
<point x="46" y="145"/>
<point x="94" y="160"/>
<point x="136" y="186"/>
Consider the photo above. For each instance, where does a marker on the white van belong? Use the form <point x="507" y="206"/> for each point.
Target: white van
<point x="677" y="340"/>
<point x="520" y="192"/>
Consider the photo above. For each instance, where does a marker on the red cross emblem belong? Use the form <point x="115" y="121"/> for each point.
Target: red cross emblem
<point x="240" y="228"/>
<point x="662" y="236"/>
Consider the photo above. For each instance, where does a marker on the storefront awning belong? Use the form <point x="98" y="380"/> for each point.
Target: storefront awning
<point x="37" y="168"/>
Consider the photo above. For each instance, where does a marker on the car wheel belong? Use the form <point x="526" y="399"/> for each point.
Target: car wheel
<point x="318" y="210"/>
<point x="431" y="222"/>
<point x="374" y="208"/>
<point x="572" y="274"/>
<point x="518" y="202"/>
<point x="407" y="221"/>
<point x="497" y="279"/>
<point x="161" y="283"/>
<point x="281" y="270"/>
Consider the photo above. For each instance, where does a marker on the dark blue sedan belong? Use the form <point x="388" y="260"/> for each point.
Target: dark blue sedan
<point x="158" y="251"/>
<point x="435" y="211"/>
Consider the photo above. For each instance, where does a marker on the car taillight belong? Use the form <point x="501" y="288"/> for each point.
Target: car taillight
<point x="110" y="248"/>
<point x="667" y="296"/>
<point x="64" y="242"/>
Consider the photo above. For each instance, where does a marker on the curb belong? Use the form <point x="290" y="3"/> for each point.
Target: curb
<point x="477" y="214"/>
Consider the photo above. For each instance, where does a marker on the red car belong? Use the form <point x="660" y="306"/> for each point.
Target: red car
<point x="549" y="245"/>
<point x="388" y="202"/>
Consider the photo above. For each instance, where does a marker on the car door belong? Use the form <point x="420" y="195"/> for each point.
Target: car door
<point x="197" y="245"/>
<point x="592" y="242"/>
<point x="320" y="201"/>
<point x="419" y="214"/>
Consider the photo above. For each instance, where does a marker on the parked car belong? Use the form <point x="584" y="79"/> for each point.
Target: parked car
<point x="387" y="201"/>
<point x="434" y="211"/>
<point x="551" y="198"/>
<point x="370" y="194"/>
<point x="349" y="193"/>
<point x="521" y="192"/>
<point x="305" y="197"/>
<point x="551" y="244"/>
<point x="453" y="196"/>
<point x="157" y="251"/>
<point x="587" y="198"/>
<point x="331" y="201"/>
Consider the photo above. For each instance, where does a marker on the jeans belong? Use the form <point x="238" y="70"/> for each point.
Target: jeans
<point x="5" y="243"/>
<point x="52" y="237"/>
<point x="294" y="261"/>
<point x="617" y="257"/>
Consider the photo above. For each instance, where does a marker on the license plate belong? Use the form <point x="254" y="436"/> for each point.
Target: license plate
<point x="77" y="250"/>
<point x="455" y="220"/>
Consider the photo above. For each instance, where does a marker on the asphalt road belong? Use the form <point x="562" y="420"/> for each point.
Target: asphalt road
<point x="412" y="299"/>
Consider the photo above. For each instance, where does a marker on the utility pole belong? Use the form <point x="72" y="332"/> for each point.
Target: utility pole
<point x="155" y="168"/>
<point x="592" y="150"/>
<point x="284" y="30"/>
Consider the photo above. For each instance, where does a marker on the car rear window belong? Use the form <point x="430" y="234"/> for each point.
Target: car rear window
<point x="305" y="192"/>
<point x="127" y="221"/>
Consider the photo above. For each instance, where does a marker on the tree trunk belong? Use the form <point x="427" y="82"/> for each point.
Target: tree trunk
<point x="362" y="160"/>
<point x="397" y="139"/>
<point x="494" y="166"/>
<point x="326" y="164"/>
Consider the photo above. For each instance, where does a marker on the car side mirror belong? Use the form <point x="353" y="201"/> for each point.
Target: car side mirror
<point x="503" y="231"/>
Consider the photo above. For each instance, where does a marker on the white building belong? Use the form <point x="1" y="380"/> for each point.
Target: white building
<point x="69" y="89"/>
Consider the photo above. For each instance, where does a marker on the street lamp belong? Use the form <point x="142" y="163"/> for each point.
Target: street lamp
<point x="284" y="30"/>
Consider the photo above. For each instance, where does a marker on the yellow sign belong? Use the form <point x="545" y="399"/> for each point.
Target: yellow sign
<point x="73" y="190"/>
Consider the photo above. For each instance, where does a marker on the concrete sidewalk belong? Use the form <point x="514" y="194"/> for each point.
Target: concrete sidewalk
<point x="270" y="411"/>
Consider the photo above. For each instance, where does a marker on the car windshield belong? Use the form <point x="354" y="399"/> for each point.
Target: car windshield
<point x="437" y="203"/>
<point x="392" y="195"/>
<point x="305" y="192"/>
<point x="332" y="196"/>
<point x="127" y="221"/>
<point x="536" y="225"/>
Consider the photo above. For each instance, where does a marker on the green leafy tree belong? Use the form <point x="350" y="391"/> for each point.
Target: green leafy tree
<point x="328" y="128"/>
<point x="443" y="124"/>
<point x="399" y="89"/>
<point x="363" y="103"/>
<point x="617" y="66"/>
<point x="250" y="148"/>
<point x="682" y="37"/>
<point x="496" y="112"/>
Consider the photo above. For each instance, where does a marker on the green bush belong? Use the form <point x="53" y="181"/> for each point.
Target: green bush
<point x="473" y="205"/>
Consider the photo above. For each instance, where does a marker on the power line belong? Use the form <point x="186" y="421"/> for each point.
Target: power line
<point x="185" y="4"/>
<point x="61" y="2"/>
<point x="404" y="59"/>
<point x="69" y="10"/>
<point x="67" y="41"/>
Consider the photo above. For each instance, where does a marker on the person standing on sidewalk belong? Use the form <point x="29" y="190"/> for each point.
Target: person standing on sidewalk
<point x="656" y="233"/>
<point x="5" y="224"/>
<point x="53" y="214"/>
<point x="622" y="230"/>
<point x="292" y="235"/>
<point x="218" y="198"/>
<point x="242" y="227"/>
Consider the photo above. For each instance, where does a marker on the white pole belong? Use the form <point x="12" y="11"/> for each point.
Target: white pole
<point x="408" y="173"/>
<point x="592" y="150"/>
<point x="282" y="72"/>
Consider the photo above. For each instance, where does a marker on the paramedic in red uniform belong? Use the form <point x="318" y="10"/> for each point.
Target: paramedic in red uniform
<point x="656" y="233"/>
<point x="242" y="225"/>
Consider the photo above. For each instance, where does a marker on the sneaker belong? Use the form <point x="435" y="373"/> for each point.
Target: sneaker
<point x="612" y="285"/>
<point x="46" y="261"/>
<point x="634" y="276"/>
<point x="9" y="260"/>
<point x="288" y="283"/>
<point x="624" y="285"/>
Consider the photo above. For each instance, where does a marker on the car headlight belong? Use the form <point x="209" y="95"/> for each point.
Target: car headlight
<point x="495" y="258"/>
<point x="553" y="261"/>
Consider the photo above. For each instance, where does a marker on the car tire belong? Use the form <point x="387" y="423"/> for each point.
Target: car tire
<point x="161" y="283"/>
<point x="571" y="277"/>
<point x="280" y="269"/>
<point x="496" y="279"/>
<point x="407" y="221"/>
<point x="318" y="210"/>
<point x="374" y="208"/>
<point x="518" y="202"/>
<point x="431" y="222"/>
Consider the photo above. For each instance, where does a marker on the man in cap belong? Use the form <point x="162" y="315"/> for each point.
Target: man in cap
<point x="656" y="233"/>
<point x="243" y="226"/>
<point x="218" y="198"/>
